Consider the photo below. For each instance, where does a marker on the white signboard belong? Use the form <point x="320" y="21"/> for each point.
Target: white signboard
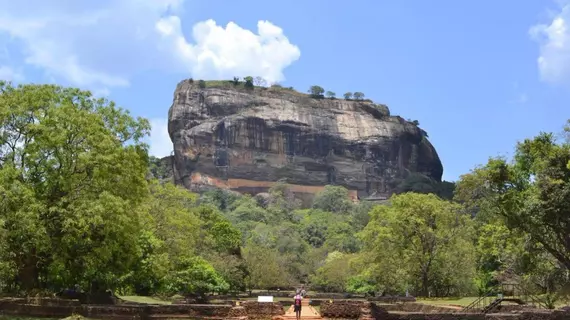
<point x="265" y="299"/>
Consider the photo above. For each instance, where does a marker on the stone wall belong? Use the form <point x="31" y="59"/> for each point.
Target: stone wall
<point x="363" y="310"/>
<point x="341" y="309"/>
<point x="262" y="310"/>
<point x="63" y="308"/>
<point x="557" y="315"/>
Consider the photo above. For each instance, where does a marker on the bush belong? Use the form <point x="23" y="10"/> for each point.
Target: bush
<point x="316" y="92"/>
<point x="248" y="82"/>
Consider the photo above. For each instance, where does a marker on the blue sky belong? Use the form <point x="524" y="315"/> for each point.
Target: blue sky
<point x="478" y="75"/>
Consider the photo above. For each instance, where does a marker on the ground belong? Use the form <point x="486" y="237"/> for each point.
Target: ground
<point x="141" y="299"/>
<point x="463" y="302"/>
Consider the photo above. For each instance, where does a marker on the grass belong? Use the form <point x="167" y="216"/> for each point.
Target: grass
<point x="465" y="301"/>
<point x="147" y="300"/>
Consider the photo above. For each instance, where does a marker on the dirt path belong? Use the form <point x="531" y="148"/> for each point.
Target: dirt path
<point x="307" y="312"/>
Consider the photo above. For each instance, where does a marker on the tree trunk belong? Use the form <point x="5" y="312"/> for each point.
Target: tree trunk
<point x="425" y="285"/>
<point x="28" y="275"/>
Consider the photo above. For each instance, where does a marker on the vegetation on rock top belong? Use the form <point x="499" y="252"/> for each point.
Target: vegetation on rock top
<point x="315" y="91"/>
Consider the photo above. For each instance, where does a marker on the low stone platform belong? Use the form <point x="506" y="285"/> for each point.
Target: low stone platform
<point x="253" y="310"/>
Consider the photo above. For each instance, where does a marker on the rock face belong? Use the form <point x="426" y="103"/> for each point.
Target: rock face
<point x="248" y="139"/>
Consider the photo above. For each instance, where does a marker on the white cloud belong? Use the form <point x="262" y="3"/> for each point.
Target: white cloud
<point x="100" y="45"/>
<point x="554" y="44"/>
<point x="160" y="143"/>
<point x="103" y="44"/>
<point x="9" y="74"/>
<point x="231" y="51"/>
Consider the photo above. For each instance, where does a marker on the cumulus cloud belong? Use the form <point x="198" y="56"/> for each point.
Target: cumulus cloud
<point x="160" y="143"/>
<point x="554" y="45"/>
<point x="226" y="52"/>
<point x="103" y="44"/>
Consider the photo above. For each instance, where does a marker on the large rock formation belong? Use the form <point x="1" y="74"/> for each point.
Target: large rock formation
<point x="247" y="139"/>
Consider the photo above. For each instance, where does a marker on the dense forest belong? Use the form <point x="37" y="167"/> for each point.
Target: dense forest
<point x="80" y="204"/>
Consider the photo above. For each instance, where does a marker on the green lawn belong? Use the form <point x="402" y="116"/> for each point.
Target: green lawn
<point x="465" y="301"/>
<point x="141" y="299"/>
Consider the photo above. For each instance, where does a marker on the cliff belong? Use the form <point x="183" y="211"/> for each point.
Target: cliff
<point x="247" y="139"/>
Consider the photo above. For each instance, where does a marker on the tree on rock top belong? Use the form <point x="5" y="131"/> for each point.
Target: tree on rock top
<point x="358" y="95"/>
<point x="316" y="92"/>
<point x="248" y="82"/>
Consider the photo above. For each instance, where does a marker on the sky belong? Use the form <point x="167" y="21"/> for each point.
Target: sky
<point x="478" y="75"/>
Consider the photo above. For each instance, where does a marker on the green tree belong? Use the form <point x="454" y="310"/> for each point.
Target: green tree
<point x="172" y="220"/>
<point x="348" y="95"/>
<point x="333" y="199"/>
<point x="220" y="199"/>
<point x="264" y="268"/>
<point x="316" y="91"/>
<point x="7" y="268"/>
<point x="231" y="267"/>
<point x="420" y="183"/>
<point x="334" y="274"/>
<point x="420" y="241"/>
<point x="72" y="168"/>
<point x="226" y="237"/>
<point x="358" y="96"/>
<point x="282" y="202"/>
<point x="532" y="193"/>
<point x="196" y="277"/>
<point x="314" y="226"/>
<point x="330" y="95"/>
<point x="248" y="82"/>
<point x="157" y="168"/>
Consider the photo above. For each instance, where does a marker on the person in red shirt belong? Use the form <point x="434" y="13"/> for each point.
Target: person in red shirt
<point x="297" y="305"/>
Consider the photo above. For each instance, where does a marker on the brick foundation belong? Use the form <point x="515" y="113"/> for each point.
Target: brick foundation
<point x="356" y="310"/>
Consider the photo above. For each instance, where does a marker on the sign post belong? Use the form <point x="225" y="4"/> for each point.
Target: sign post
<point x="265" y="299"/>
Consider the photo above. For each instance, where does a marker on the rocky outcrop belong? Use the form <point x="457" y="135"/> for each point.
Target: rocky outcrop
<point x="247" y="139"/>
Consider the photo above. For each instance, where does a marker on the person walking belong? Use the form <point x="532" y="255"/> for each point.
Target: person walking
<point x="303" y="292"/>
<point x="297" y="304"/>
